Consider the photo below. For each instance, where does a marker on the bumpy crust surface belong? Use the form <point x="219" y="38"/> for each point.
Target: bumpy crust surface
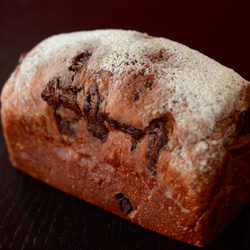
<point x="143" y="127"/>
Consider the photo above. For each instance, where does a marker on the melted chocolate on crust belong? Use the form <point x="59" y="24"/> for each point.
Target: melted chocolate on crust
<point x="59" y="91"/>
<point x="157" y="138"/>
<point x="80" y="61"/>
<point x="55" y="95"/>
<point x="95" y="120"/>
<point x="136" y="134"/>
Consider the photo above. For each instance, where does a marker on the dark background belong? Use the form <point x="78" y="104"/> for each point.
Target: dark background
<point x="36" y="216"/>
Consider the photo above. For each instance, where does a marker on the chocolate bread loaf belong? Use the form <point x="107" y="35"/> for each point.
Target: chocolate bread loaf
<point x="143" y="127"/>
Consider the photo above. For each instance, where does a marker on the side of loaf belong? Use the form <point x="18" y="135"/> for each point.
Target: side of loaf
<point x="143" y="127"/>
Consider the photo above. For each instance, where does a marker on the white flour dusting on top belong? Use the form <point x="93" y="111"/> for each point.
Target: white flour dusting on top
<point x="195" y="89"/>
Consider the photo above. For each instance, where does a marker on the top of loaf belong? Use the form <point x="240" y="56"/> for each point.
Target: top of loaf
<point x="197" y="91"/>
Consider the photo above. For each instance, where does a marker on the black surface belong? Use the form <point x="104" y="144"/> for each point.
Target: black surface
<point x="36" y="216"/>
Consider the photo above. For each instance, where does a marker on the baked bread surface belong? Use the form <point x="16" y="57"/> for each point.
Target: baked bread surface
<point x="143" y="127"/>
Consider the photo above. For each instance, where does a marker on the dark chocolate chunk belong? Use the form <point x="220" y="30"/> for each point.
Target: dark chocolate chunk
<point x="99" y="131"/>
<point x="113" y="123"/>
<point x="125" y="206"/>
<point x="79" y="61"/>
<point x="135" y="133"/>
<point x="91" y="103"/>
<point x="69" y="99"/>
<point x="62" y="91"/>
<point x="94" y="118"/>
<point x="149" y="84"/>
<point x="124" y="203"/>
<point x="55" y="95"/>
<point x="136" y="95"/>
<point x="161" y="54"/>
<point x="65" y="126"/>
<point x="50" y="93"/>
<point x="134" y="144"/>
<point x="78" y="64"/>
<point x="157" y="138"/>
<point x="119" y="196"/>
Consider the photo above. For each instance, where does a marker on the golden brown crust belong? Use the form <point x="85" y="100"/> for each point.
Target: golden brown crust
<point x="111" y="117"/>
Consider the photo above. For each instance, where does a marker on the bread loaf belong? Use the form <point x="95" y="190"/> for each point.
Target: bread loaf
<point x="143" y="127"/>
